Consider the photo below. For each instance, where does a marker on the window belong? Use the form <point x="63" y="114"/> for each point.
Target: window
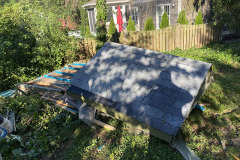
<point x="121" y="9"/>
<point x="110" y="15"/>
<point x="127" y="12"/>
<point x="161" y="9"/>
<point x="134" y="12"/>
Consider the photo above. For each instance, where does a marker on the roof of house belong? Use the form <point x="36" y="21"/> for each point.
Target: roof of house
<point x="152" y="87"/>
<point x="93" y="2"/>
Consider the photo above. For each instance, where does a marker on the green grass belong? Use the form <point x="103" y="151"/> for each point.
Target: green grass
<point x="63" y="136"/>
<point x="203" y="131"/>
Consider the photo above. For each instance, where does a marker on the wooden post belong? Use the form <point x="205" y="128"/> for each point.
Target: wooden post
<point x="161" y="40"/>
<point x="177" y="36"/>
<point x="190" y="36"/>
<point x="164" y="40"/>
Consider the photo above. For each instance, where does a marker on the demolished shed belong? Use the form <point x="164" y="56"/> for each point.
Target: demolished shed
<point x="152" y="91"/>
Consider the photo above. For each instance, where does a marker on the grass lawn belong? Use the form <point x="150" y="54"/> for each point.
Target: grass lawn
<point x="55" y="134"/>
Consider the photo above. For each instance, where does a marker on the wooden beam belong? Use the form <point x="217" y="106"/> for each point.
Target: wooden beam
<point x="35" y="88"/>
<point x="112" y="112"/>
<point x="104" y="125"/>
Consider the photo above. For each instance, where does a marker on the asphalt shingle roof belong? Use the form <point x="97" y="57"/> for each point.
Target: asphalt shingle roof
<point x="152" y="87"/>
<point x="93" y="2"/>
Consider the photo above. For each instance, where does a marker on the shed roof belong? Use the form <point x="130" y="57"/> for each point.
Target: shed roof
<point x="152" y="87"/>
<point x="93" y="2"/>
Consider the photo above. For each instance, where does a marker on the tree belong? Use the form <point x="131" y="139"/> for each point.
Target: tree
<point x="165" y="21"/>
<point x="199" y="19"/>
<point x="149" y="25"/>
<point x="102" y="13"/>
<point x="226" y="12"/>
<point x="182" y="19"/>
<point x="131" y="25"/>
<point x="112" y="28"/>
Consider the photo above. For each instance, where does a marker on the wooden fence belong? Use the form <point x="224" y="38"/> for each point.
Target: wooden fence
<point x="181" y="36"/>
<point x="86" y="48"/>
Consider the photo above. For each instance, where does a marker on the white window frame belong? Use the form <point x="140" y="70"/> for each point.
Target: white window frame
<point x="133" y="9"/>
<point x="115" y="15"/>
<point x="157" y="19"/>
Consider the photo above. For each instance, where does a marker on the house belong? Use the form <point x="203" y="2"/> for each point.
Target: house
<point x="139" y="10"/>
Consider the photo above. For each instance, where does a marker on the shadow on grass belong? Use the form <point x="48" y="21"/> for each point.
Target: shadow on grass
<point x="203" y="131"/>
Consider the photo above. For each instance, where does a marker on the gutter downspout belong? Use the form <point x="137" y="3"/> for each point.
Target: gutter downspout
<point x="179" y="6"/>
<point x="182" y="147"/>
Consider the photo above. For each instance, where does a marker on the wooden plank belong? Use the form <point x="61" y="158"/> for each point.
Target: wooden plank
<point x="104" y="125"/>
<point x="35" y="88"/>
<point x="177" y="36"/>
<point x="187" y="37"/>
<point x="195" y="36"/>
<point x="161" y="40"/>
<point x="158" y="40"/>
<point x="164" y="40"/>
<point x="198" y="36"/>
<point x="138" y="40"/>
<point x="190" y="36"/>
<point x="170" y="38"/>
<point x="134" y="39"/>
<point x="211" y="39"/>
<point x="184" y="36"/>
<point x="202" y="34"/>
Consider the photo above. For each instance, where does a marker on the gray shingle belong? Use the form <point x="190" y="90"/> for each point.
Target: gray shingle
<point x="173" y="120"/>
<point x="152" y="87"/>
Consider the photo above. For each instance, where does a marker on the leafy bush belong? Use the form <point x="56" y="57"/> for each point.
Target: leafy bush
<point x="165" y="21"/>
<point x="182" y="19"/>
<point x="112" y="28"/>
<point x="131" y="25"/>
<point x="199" y="19"/>
<point x="149" y="25"/>
<point x="31" y="43"/>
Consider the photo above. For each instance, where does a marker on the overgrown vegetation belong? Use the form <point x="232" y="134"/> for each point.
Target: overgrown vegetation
<point x="149" y="25"/>
<point x="39" y="125"/>
<point x="199" y="19"/>
<point x="33" y="41"/>
<point x="102" y="13"/>
<point x="165" y="22"/>
<point x="63" y="136"/>
<point x="131" y="25"/>
<point x="182" y="19"/>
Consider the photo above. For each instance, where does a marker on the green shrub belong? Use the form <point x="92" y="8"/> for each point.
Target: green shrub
<point x="101" y="21"/>
<point x="31" y="43"/>
<point x="182" y="19"/>
<point x="165" y="21"/>
<point x="112" y="28"/>
<point x="199" y="19"/>
<point x="131" y="25"/>
<point x="149" y="25"/>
